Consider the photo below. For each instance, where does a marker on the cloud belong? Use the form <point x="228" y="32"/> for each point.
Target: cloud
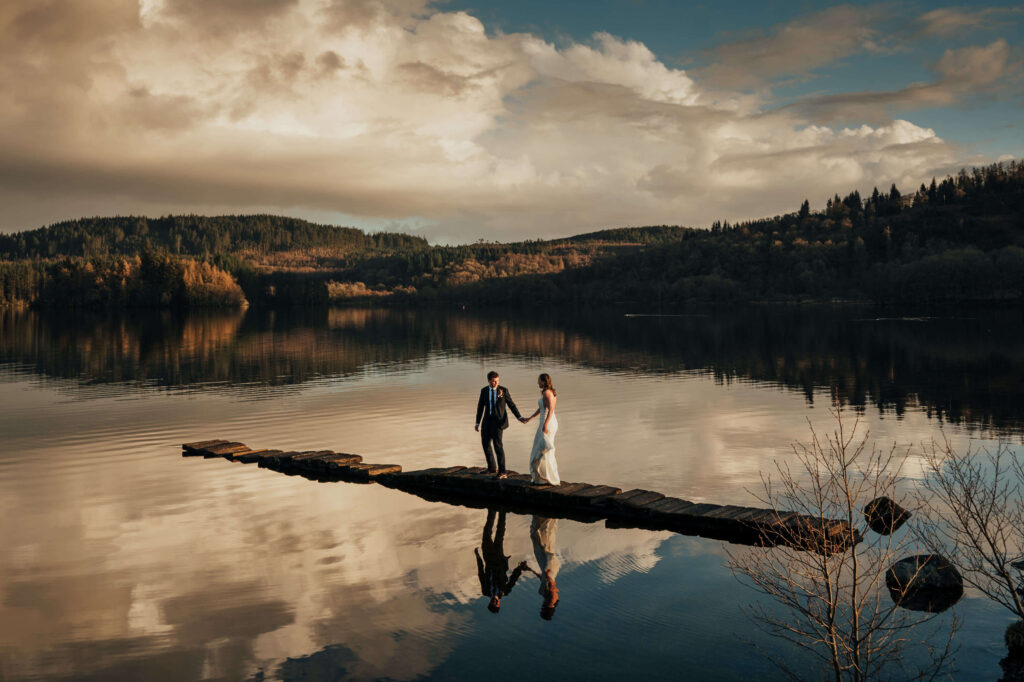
<point x="399" y="111"/>
<point x="361" y="14"/>
<point x="950" y="21"/>
<point x="959" y="73"/>
<point x="973" y="67"/>
<point x="795" y="48"/>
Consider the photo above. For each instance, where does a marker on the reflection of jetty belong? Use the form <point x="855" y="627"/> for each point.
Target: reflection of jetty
<point x="472" y="486"/>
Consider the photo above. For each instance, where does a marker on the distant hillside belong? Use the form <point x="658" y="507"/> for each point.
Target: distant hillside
<point x="194" y="236"/>
<point x="659" y="234"/>
<point x="960" y="239"/>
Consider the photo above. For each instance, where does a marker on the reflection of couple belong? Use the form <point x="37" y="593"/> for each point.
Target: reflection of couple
<point x="492" y="419"/>
<point x="492" y="563"/>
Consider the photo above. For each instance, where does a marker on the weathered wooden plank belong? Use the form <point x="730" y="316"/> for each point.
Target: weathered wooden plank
<point x="255" y="455"/>
<point x="340" y="457"/>
<point x="598" y="491"/>
<point x="336" y="464"/>
<point x="310" y="461"/>
<point x="569" y="488"/>
<point x="450" y="470"/>
<point x="355" y="466"/>
<point x="725" y="513"/>
<point x="512" y="484"/>
<point x="636" y="501"/>
<point x="337" y="459"/>
<point x="627" y="495"/>
<point x="698" y="510"/>
<point x="233" y="451"/>
<point x="236" y="456"/>
<point x="278" y="459"/>
<point x="663" y="504"/>
<point x="378" y="469"/>
<point x="777" y="518"/>
<point x="311" y="454"/>
<point x="199" y="445"/>
<point x="761" y="517"/>
<point x="366" y="471"/>
<point x="432" y="473"/>
<point x="224" y="449"/>
<point x="668" y="505"/>
<point x="470" y="472"/>
<point x="747" y="514"/>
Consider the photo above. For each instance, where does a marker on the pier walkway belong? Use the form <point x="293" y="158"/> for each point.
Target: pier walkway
<point x="472" y="486"/>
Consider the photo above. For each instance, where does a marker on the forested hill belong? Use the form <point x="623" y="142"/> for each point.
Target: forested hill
<point x="957" y="239"/>
<point x="194" y="235"/>
<point x="660" y="234"/>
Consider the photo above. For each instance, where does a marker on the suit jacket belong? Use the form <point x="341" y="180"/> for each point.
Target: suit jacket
<point x="493" y="575"/>
<point x="504" y="399"/>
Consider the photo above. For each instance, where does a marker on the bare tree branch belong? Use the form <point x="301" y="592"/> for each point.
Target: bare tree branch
<point x="832" y="587"/>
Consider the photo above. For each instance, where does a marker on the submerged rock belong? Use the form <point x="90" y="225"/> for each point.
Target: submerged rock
<point x="1013" y="665"/>
<point x="885" y="516"/>
<point x="926" y="582"/>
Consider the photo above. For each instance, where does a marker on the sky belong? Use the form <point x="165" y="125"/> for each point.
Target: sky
<point x="479" y="119"/>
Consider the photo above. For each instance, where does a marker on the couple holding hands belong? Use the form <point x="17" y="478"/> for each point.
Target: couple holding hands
<point x="492" y="420"/>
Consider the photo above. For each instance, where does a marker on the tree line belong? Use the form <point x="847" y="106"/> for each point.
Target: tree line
<point x="155" y="280"/>
<point x="192" y="235"/>
<point x="960" y="239"/>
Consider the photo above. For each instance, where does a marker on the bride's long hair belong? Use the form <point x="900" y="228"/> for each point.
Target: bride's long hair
<point x="545" y="379"/>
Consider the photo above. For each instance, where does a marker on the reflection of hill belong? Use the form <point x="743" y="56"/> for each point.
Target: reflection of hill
<point x="966" y="369"/>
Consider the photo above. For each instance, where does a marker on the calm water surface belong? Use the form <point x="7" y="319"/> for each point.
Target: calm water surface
<point x="123" y="560"/>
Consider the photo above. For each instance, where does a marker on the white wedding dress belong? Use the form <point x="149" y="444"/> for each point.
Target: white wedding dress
<point x="543" y="468"/>
<point x="542" y="534"/>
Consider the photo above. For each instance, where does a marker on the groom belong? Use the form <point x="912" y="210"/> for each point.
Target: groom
<point x="491" y="406"/>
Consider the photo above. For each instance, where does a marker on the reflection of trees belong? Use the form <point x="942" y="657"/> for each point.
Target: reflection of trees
<point x="832" y="587"/>
<point x="968" y="369"/>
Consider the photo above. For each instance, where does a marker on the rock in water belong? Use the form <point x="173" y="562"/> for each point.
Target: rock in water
<point x="1015" y="639"/>
<point x="885" y="516"/>
<point x="926" y="582"/>
<point x="1013" y="664"/>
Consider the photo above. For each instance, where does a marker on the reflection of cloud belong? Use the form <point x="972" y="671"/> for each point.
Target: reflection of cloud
<point x="143" y="659"/>
<point x="143" y="555"/>
<point x="229" y="610"/>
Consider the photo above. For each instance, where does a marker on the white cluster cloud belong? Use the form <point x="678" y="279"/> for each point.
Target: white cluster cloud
<point x="382" y="111"/>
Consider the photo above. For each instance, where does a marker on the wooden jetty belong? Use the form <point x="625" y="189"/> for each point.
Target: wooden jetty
<point x="473" y="486"/>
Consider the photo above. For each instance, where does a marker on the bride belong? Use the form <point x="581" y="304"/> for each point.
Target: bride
<point x="543" y="468"/>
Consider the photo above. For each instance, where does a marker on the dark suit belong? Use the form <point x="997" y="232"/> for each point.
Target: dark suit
<point x="492" y="566"/>
<point x="494" y="421"/>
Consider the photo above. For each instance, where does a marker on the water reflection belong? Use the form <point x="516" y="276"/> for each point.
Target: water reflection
<point x="123" y="561"/>
<point x="967" y="370"/>
<point x="492" y="563"/>
<point x="542" y="533"/>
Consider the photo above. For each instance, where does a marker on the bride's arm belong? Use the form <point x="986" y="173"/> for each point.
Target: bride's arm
<point x="549" y="403"/>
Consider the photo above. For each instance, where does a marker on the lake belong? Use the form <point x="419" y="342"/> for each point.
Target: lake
<point x="123" y="560"/>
